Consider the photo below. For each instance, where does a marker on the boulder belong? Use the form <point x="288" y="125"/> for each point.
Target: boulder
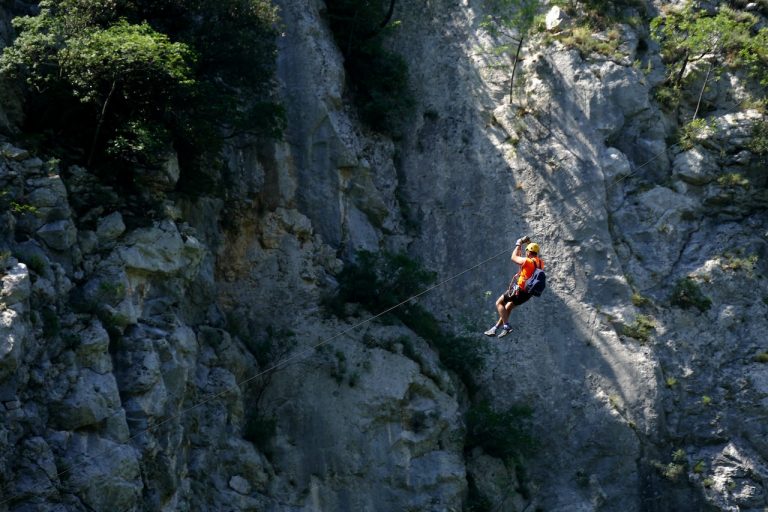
<point x="88" y="240"/>
<point x="604" y="92"/>
<point x="162" y="177"/>
<point x="13" y="332"/>
<point x="107" y="476"/>
<point x="13" y="153"/>
<point x="16" y="285"/>
<point x="695" y="166"/>
<point x="138" y="368"/>
<point x="59" y="235"/>
<point x="93" y="348"/>
<point x="347" y="433"/>
<point x="110" y="227"/>
<point x="555" y="19"/>
<point x="615" y="164"/>
<point x="162" y="250"/>
<point x="38" y="472"/>
<point x="91" y="399"/>
<point x="657" y="223"/>
<point x="240" y="485"/>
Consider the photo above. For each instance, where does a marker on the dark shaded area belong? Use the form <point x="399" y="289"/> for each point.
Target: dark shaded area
<point x="378" y="78"/>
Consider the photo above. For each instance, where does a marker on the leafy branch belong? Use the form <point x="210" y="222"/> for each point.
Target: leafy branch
<point x="513" y="19"/>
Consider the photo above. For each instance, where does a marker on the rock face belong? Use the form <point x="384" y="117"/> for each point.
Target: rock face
<point x="174" y="364"/>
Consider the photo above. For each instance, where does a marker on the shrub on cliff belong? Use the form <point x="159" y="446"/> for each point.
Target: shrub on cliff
<point x="380" y="281"/>
<point x="505" y="434"/>
<point x="378" y="77"/>
<point x="717" y="41"/>
<point x="687" y="294"/>
<point x="758" y="142"/>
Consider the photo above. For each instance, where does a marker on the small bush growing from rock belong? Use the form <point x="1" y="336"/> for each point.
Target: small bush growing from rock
<point x="733" y="180"/>
<point x="260" y="430"/>
<point x="758" y="142"/>
<point x="51" y="324"/>
<point x="504" y="434"/>
<point x="380" y="281"/>
<point x="668" y="97"/>
<point x="339" y="367"/>
<point x="476" y="501"/>
<point x="582" y="38"/>
<point x="762" y="358"/>
<point x="35" y="263"/>
<point x="687" y="294"/>
<point x="675" y="469"/>
<point x="21" y="208"/>
<point x="640" y="329"/>
<point x="691" y="133"/>
<point x="737" y="263"/>
<point x="639" y="301"/>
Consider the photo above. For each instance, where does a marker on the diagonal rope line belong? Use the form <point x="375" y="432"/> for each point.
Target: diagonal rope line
<point x="279" y="364"/>
<point x="309" y="350"/>
<point x="301" y="354"/>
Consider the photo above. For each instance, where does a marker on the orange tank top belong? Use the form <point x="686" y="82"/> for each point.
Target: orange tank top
<point x="526" y="270"/>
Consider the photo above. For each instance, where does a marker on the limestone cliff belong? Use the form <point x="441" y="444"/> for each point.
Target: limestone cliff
<point x="182" y="360"/>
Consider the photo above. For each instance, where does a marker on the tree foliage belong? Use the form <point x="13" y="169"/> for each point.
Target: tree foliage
<point x="695" y="33"/>
<point x="515" y="16"/>
<point x="147" y="64"/>
<point x="505" y="434"/>
<point x="122" y="80"/>
<point x="727" y="39"/>
<point x="381" y="281"/>
<point x="378" y="76"/>
<point x="758" y="142"/>
<point x="511" y="18"/>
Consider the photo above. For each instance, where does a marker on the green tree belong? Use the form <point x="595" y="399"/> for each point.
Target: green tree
<point x="124" y="79"/>
<point x="514" y="19"/>
<point x="235" y="41"/>
<point x="134" y="62"/>
<point x="66" y="58"/>
<point x="391" y="281"/>
<point x="725" y="39"/>
<point x="754" y="54"/>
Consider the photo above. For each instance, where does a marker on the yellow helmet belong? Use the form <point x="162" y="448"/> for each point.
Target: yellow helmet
<point x="533" y="247"/>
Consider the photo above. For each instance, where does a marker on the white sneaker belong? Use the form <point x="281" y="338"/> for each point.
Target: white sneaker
<point x="504" y="331"/>
<point x="491" y="331"/>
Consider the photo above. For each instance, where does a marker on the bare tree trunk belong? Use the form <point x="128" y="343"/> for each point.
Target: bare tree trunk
<point x="514" y="68"/>
<point x="682" y="70"/>
<point x="384" y="22"/>
<point x="703" y="86"/>
<point x="390" y="12"/>
<point x="100" y="122"/>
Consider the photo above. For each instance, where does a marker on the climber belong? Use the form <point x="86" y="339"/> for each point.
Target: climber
<point x="516" y="293"/>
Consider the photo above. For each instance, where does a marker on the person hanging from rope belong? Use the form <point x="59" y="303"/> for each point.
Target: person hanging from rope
<point x="516" y="294"/>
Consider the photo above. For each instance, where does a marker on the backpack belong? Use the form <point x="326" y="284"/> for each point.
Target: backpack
<point x="537" y="282"/>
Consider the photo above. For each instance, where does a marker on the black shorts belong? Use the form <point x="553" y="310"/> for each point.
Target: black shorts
<point x="517" y="297"/>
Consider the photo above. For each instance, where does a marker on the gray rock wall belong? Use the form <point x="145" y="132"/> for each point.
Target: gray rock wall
<point x="186" y="363"/>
